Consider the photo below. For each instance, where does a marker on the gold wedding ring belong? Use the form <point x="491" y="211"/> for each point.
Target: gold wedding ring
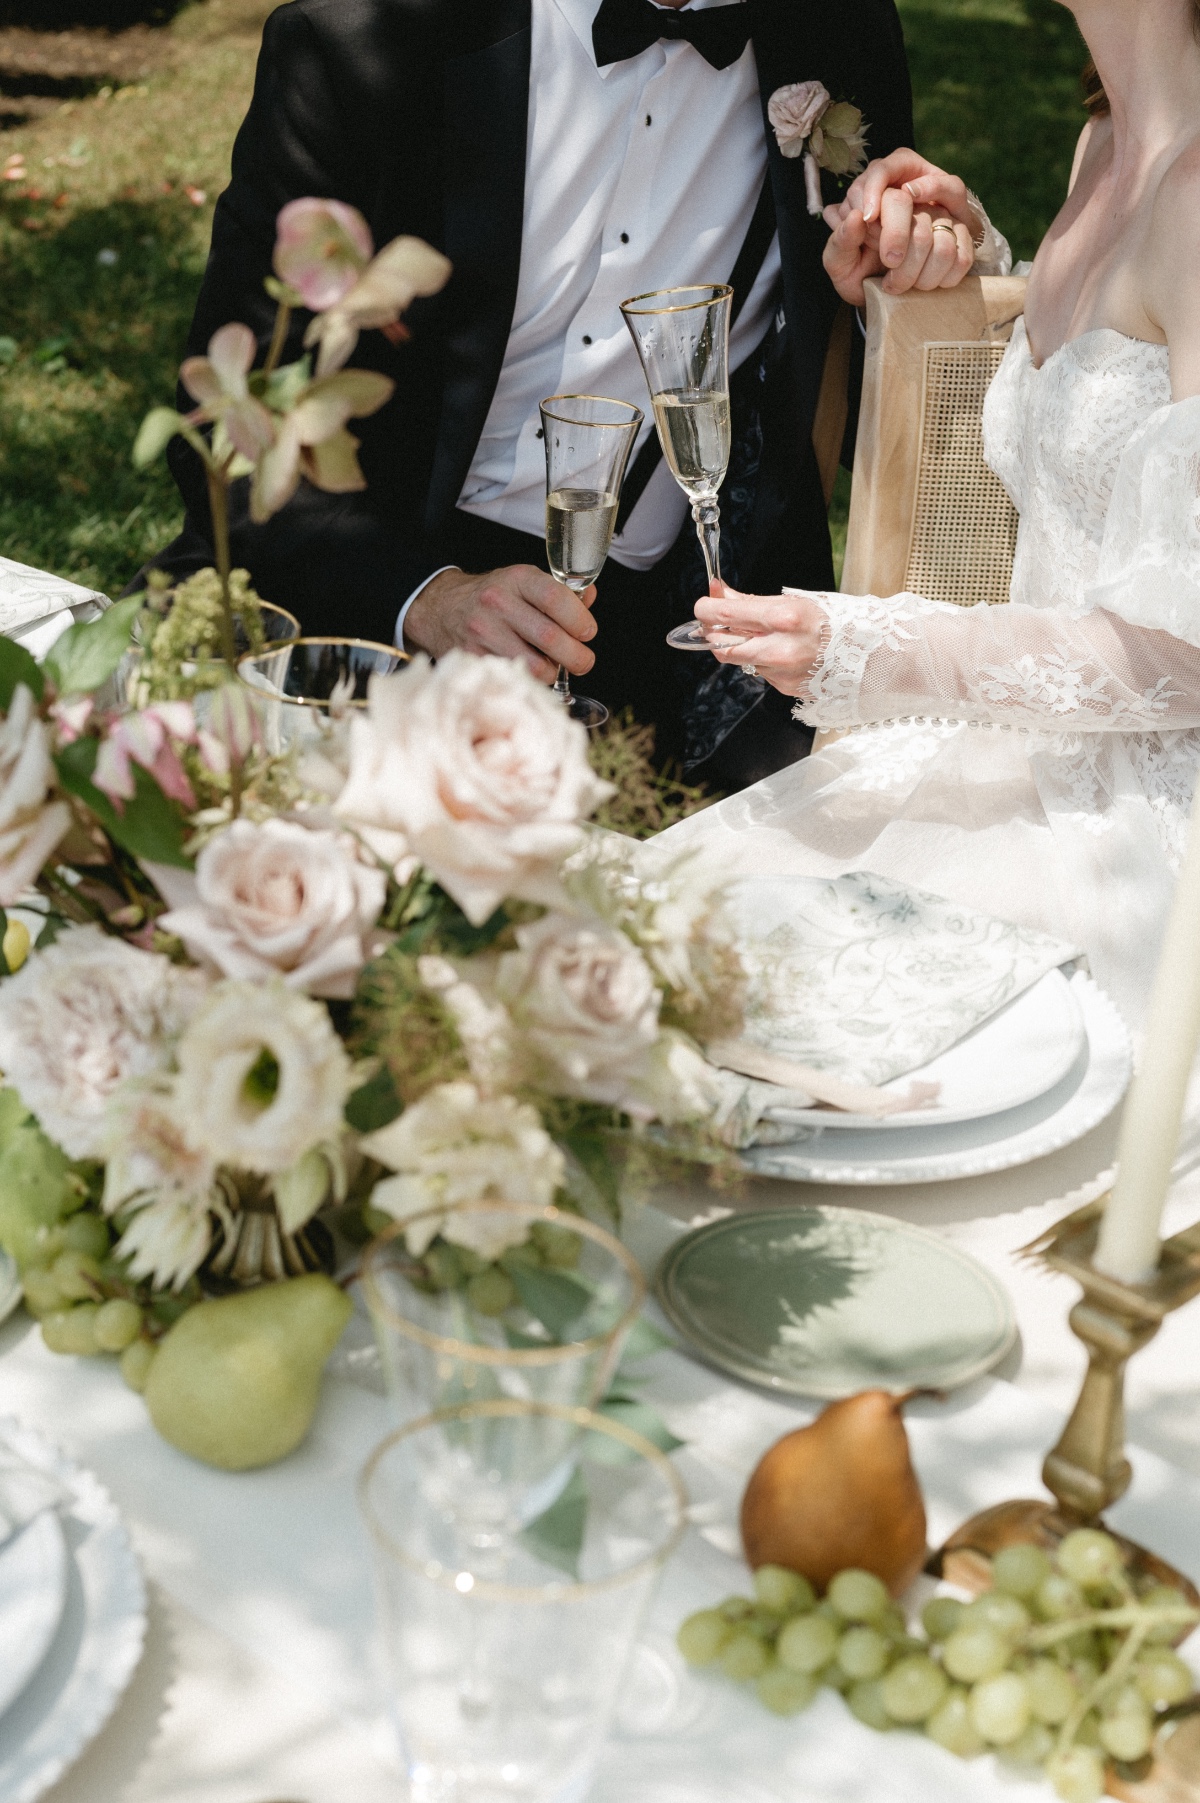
<point x="944" y="225"/>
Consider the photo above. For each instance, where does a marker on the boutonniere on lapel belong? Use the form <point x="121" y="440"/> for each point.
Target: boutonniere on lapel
<point x="829" y="134"/>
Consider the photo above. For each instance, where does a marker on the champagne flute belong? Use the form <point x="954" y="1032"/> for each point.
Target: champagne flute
<point x="588" y="440"/>
<point x="682" y="338"/>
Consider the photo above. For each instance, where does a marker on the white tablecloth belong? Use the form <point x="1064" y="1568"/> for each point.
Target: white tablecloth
<point x="257" y="1681"/>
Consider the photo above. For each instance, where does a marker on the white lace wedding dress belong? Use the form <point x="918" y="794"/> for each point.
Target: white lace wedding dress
<point x="1035" y="760"/>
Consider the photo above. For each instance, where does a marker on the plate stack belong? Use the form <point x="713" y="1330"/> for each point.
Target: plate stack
<point x="72" y="1611"/>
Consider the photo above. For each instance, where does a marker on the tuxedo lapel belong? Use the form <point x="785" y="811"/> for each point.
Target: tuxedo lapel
<point x="486" y="105"/>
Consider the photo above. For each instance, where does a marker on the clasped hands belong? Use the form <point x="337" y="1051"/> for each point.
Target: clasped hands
<point x="902" y="218"/>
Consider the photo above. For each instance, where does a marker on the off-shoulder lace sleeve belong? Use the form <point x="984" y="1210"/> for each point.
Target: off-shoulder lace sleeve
<point x="1128" y="661"/>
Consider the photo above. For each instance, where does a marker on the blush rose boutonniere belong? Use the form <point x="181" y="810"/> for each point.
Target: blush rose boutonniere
<point x="827" y="133"/>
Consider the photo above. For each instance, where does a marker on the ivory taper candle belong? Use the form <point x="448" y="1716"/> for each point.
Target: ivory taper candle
<point x="1128" y="1246"/>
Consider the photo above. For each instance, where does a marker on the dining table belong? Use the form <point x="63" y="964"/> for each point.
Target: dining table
<point x="259" y="1681"/>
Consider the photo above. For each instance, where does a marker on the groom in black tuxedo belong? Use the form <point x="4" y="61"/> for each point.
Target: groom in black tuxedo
<point x="564" y="154"/>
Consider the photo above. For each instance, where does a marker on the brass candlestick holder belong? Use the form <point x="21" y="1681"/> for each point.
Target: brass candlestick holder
<point x="1087" y="1470"/>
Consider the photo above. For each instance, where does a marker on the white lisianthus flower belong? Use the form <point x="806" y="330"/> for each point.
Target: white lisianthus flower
<point x="263" y="1077"/>
<point x="456" y="1147"/>
<point x="80" y="1018"/>
<point x="31" y="825"/>
<point x="479" y="770"/>
<point x="674" y="1083"/>
<point x="584" y="1002"/>
<point x="277" y="898"/>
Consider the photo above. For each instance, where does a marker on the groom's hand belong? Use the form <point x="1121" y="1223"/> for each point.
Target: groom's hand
<point x="514" y="612"/>
<point x="905" y="219"/>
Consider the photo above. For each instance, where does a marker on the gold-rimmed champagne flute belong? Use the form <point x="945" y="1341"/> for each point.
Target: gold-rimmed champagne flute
<point x="588" y="439"/>
<point x="682" y="338"/>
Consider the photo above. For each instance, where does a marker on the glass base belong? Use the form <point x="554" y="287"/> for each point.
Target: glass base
<point x="691" y="637"/>
<point x="589" y="713"/>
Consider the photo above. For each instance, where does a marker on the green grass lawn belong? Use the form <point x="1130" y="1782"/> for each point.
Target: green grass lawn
<point x="102" y="245"/>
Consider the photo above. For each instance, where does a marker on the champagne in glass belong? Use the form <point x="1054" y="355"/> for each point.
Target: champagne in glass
<point x="588" y="440"/>
<point x="682" y="338"/>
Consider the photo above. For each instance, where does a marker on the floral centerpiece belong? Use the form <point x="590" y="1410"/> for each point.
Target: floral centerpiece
<point x="262" y="984"/>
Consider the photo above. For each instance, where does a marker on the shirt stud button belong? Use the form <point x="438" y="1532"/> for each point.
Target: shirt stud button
<point x="586" y="339"/>
<point x="624" y="237"/>
<point x="649" y="120"/>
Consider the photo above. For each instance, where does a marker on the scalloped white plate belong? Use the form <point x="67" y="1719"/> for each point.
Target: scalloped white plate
<point x="99" y="1640"/>
<point x="33" y="1592"/>
<point x="1084" y="1097"/>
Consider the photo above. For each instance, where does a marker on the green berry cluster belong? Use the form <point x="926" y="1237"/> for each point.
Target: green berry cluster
<point x="1060" y="1665"/>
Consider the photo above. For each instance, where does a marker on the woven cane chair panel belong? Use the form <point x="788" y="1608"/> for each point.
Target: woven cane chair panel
<point x="964" y="525"/>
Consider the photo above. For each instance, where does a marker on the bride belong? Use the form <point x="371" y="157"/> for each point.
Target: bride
<point x="1036" y="760"/>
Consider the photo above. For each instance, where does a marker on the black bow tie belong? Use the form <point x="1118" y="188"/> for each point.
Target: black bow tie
<point x="624" y="28"/>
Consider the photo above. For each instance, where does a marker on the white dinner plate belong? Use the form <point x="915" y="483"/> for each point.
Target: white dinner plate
<point x="1012" y="1058"/>
<point x="33" y="1589"/>
<point x="92" y="1656"/>
<point x="1088" y="1093"/>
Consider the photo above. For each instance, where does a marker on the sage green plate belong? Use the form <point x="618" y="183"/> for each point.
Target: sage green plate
<point x="829" y="1301"/>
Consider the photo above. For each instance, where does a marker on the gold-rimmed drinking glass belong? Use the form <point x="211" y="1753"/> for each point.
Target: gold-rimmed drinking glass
<point x="309" y="688"/>
<point x="682" y="338"/>
<point x="587" y="440"/>
<point x="464" y="1342"/>
<point x="504" y="1667"/>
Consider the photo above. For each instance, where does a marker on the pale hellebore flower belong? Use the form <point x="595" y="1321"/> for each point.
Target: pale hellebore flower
<point x="313" y="442"/>
<point x="323" y="250"/>
<point x="219" y="382"/>
<point x="145" y="738"/>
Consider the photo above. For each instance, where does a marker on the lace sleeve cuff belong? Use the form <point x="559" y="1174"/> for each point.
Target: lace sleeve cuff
<point x="992" y="253"/>
<point x="857" y="627"/>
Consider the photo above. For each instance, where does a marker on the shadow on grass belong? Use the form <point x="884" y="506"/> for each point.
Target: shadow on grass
<point x="105" y="15"/>
<point x="93" y="316"/>
<point x="998" y="101"/>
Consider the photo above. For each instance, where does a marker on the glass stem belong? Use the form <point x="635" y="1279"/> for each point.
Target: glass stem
<point x="707" y="516"/>
<point x="562" y="686"/>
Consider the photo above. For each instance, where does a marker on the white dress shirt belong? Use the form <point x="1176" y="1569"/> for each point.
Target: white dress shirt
<point x="640" y="175"/>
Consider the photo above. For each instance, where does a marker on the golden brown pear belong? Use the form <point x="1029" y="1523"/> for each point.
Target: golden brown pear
<point x="840" y="1493"/>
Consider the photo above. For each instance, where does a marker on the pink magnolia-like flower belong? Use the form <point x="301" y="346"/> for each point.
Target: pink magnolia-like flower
<point x="312" y="440"/>
<point x="321" y="249"/>
<point x="793" y="111"/>
<point x="219" y="383"/>
<point x="145" y="738"/>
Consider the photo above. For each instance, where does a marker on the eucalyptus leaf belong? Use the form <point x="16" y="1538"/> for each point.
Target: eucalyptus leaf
<point x="151" y="826"/>
<point x="643" y="1340"/>
<point x="592" y="1175"/>
<point x="554" y="1298"/>
<point x="155" y="433"/>
<point x="375" y="1104"/>
<point x="641" y="1419"/>
<point x="87" y="654"/>
<point x="17" y="666"/>
<point x="557" y="1534"/>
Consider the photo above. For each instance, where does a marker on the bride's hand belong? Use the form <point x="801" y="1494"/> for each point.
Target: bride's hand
<point x="890" y="223"/>
<point x="781" y="636"/>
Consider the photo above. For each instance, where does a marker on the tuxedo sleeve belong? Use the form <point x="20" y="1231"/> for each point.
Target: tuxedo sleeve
<point x="343" y="563"/>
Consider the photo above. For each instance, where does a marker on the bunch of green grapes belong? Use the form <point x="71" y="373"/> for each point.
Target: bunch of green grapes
<point x="1061" y="1664"/>
<point x="86" y="1302"/>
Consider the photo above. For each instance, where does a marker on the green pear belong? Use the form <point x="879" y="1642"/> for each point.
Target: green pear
<point x="236" y="1380"/>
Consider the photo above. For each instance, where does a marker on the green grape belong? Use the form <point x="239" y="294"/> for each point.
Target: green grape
<point x="88" y="1232"/>
<point x="1088" y="1732"/>
<point x="1000" y="1708"/>
<point x="72" y="1330"/>
<point x="865" y="1700"/>
<point x="863" y="1652"/>
<point x="701" y="1637"/>
<point x="42" y="1294"/>
<point x="974" y="1653"/>
<point x="784" y="1692"/>
<point x="491" y="1292"/>
<point x="858" y="1595"/>
<point x="1057" y="1599"/>
<point x="77" y="1275"/>
<point x="118" y="1324"/>
<point x="783" y="1590"/>
<point x="951" y="1726"/>
<point x="743" y="1657"/>
<point x="1020" y="1570"/>
<point x="893" y="1621"/>
<point x="735" y="1608"/>
<point x="1126" y="1728"/>
<point x="766" y="1623"/>
<point x="1161" y="1596"/>
<point x="136" y="1361"/>
<point x="1033" y="1747"/>
<point x="914" y="1688"/>
<point x="1089" y="1557"/>
<point x="995" y="1609"/>
<point x="835" y="1677"/>
<point x="1163" y="1679"/>
<point x="559" y="1246"/>
<point x="1077" y="1774"/>
<point x="941" y="1615"/>
<point x="1084" y="1646"/>
<point x="1052" y="1692"/>
<point x="807" y="1643"/>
